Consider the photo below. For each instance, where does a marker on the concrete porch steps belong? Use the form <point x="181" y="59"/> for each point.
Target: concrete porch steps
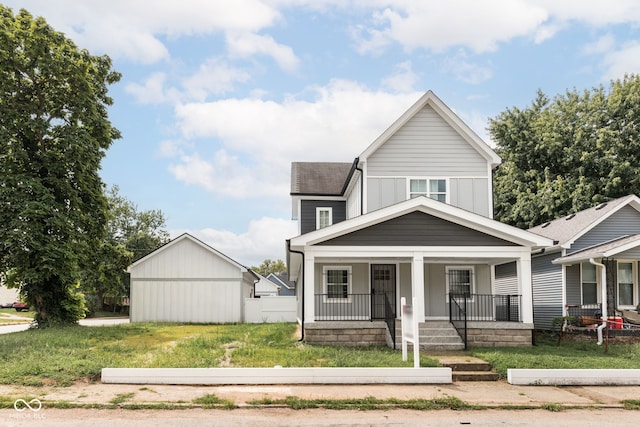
<point x="435" y="335"/>
<point x="466" y="368"/>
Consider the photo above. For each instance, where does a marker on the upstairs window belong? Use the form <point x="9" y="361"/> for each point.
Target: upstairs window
<point x="324" y="217"/>
<point x="433" y="188"/>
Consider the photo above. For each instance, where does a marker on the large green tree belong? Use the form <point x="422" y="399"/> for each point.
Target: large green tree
<point x="270" y="266"/>
<point x="568" y="153"/>
<point x="54" y="131"/>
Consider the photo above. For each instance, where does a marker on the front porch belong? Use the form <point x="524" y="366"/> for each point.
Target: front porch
<point x="486" y="320"/>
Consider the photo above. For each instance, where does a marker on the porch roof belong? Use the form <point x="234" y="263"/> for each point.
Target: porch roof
<point x="604" y="250"/>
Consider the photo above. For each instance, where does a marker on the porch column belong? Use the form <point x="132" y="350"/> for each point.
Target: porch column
<point x="417" y="286"/>
<point x="525" y="286"/>
<point x="309" y="289"/>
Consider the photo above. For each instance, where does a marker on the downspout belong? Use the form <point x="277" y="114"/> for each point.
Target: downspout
<point x="361" y="185"/>
<point x="301" y="289"/>
<point x="603" y="282"/>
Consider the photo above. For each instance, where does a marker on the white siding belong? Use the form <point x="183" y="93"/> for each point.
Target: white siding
<point x="185" y="259"/>
<point x="354" y="201"/>
<point x="186" y="301"/>
<point x="426" y="146"/>
<point x="383" y="192"/>
<point x="188" y="282"/>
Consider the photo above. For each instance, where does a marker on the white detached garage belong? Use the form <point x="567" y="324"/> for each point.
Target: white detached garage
<point x="188" y="281"/>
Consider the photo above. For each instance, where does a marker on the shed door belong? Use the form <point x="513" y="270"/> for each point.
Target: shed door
<point x="383" y="290"/>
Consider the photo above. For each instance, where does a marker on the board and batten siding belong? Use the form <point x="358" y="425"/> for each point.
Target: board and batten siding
<point x="426" y="146"/>
<point x="547" y="290"/>
<point x="308" y="212"/>
<point x="186" y="282"/>
<point x="624" y="222"/>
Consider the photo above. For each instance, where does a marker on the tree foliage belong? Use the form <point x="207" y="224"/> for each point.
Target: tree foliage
<point x="54" y="132"/>
<point x="269" y="266"/>
<point x="568" y="153"/>
<point x="131" y="234"/>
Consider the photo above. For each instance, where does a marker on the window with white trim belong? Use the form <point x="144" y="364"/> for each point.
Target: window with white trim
<point x="626" y="295"/>
<point x="460" y="280"/>
<point x="324" y="217"/>
<point x="337" y="283"/>
<point x="433" y="188"/>
<point x="589" y="283"/>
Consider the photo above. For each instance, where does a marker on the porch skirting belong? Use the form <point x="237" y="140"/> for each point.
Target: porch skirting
<point x="499" y="334"/>
<point x="347" y="333"/>
<point x="367" y="333"/>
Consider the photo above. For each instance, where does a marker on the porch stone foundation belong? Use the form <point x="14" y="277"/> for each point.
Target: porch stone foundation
<point x="499" y="334"/>
<point x="354" y="334"/>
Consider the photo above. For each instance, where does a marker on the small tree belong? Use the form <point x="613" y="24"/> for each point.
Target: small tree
<point x="269" y="266"/>
<point x="54" y="132"/>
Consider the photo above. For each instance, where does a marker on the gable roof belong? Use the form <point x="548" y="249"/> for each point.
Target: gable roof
<point x="604" y="250"/>
<point x="319" y="178"/>
<point x="189" y="237"/>
<point x="430" y="99"/>
<point x="566" y="230"/>
<point x="281" y="279"/>
<point x="429" y="206"/>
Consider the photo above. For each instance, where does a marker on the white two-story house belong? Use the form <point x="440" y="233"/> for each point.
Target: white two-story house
<point x="410" y="217"/>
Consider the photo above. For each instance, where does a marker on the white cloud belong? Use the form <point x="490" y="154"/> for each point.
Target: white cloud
<point x="438" y="26"/>
<point x="259" y="138"/>
<point x="214" y="77"/>
<point x="604" y="44"/>
<point x="466" y="71"/>
<point x="264" y="239"/>
<point x="403" y="78"/>
<point x="134" y="30"/>
<point x="247" y="44"/>
<point x="623" y="61"/>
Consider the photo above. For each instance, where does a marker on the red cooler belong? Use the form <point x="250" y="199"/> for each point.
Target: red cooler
<point x="615" y="322"/>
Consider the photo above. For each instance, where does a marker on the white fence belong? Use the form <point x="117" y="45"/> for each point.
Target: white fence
<point x="270" y="309"/>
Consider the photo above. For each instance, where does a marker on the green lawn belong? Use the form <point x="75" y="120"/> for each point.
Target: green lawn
<point x="568" y="355"/>
<point x="63" y="356"/>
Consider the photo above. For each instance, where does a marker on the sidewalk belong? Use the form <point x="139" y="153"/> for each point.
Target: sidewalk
<point x="486" y="394"/>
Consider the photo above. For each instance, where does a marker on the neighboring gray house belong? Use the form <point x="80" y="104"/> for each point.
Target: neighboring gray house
<point x="410" y="217"/>
<point x="594" y="260"/>
<point x="286" y="286"/>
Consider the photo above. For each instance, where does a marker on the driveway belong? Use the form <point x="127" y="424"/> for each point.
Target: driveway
<point x="100" y="321"/>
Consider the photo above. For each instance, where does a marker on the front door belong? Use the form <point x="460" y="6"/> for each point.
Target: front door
<point x="383" y="290"/>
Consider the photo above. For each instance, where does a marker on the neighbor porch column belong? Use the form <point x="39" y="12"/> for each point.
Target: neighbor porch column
<point x="309" y="289"/>
<point x="525" y="286"/>
<point x="417" y="286"/>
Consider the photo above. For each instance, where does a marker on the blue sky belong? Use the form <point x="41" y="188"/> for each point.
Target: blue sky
<point x="218" y="97"/>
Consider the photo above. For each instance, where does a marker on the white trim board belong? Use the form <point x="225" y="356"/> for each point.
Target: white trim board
<point x="573" y="376"/>
<point x="266" y="376"/>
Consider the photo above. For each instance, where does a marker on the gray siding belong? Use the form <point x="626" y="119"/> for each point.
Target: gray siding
<point x="426" y="146"/>
<point x="506" y="279"/>
<point x="383" y="192"/>
<point x="547" y="290"/>
<point x="574" y="294"/>
<point x="417" y="229"/>
<point x="308" y="212"/>
<point x="624" y="222"/>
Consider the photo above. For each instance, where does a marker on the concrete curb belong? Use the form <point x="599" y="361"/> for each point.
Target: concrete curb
<point x="269" y="376"/>
<point x="573" y="376"/>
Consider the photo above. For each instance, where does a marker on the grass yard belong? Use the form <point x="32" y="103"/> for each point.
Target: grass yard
<point x="568" y="355"/>
<point x="64" y="356"/>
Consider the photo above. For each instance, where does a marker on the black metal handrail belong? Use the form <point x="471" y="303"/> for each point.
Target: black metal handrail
<point x="458" y="316"/>
<point x="390" y="319"/>
<point x="344" y="307"/>
<point x="490" y="307"/>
